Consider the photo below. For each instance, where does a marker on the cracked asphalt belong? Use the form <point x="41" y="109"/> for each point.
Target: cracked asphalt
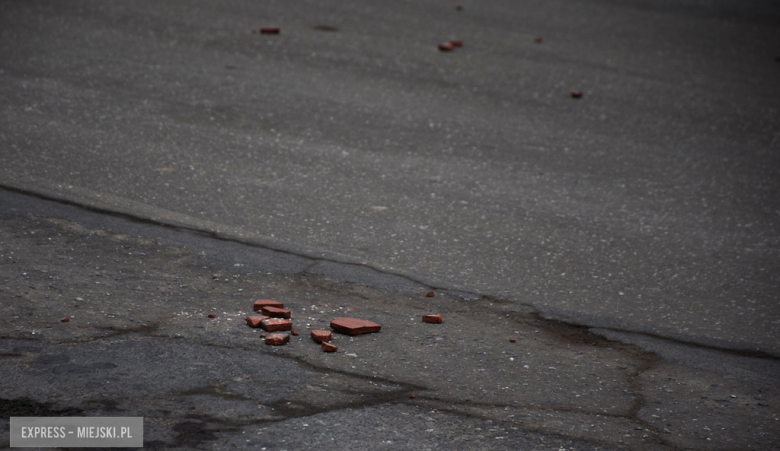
<point x="139" y="342"/>
<point x="163" y="161"/>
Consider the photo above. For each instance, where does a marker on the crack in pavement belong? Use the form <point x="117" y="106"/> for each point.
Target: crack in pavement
<point x="215" y="366"/>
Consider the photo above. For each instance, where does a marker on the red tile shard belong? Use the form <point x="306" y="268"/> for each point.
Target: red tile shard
<point x="254" y="321"/>
<point x="354" y="326"/>
<point x="277" y="339"/>
<point x="436" y="319"/>
<point x="274" y="324"/>
<point x="320" y="335"/>
<point x="275" y="312"/>
<point x="327" y="347"/>
<point x="260" y="303"/>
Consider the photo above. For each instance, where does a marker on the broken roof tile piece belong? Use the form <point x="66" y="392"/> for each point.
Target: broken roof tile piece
<point x="354" y="326"/>
<point x="274" y="324"/>
<point x="327" y="347"/>
<point x="320" y="335"/>
<point x="254" y="321"/>
<point x="275" y="312"/>
<point x="277" y="339"/>
<point x="436" y="319"/>
<point x="260" y="303"/>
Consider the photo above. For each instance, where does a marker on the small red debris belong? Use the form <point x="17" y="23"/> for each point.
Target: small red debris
<point x="65" y="320"/>
<point x="458" y="8"/>
<point x="538" y="40"/>
<point x="260" y="303"/>
<point x="262" y="335"/>
<point x="435" y="319"/>
<point x="274" y="324"/>
<point x="512" y="340"/>
<point x="430" y="294"/>
<point x="211" y="315"/>
<point x="354" y="326"/>
<point x="456" y="43"/>
<point x="294" y="332"/>
<point x="275" y="312"/>
<point x="327" y="347"/>
<point x="576" y="94"/>
<point x="320" y="335"/>
<point x="277" y="339"/>
<point x="254" y="321"/>
<point x="445" y="46"/>
<point x="412" y="396"/>
<point x="269" y="30"/>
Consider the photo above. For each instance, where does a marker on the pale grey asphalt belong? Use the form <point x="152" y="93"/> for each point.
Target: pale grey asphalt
<point x="648" y="205"/>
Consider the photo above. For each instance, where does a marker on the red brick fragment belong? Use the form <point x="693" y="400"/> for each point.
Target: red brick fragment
<point x="211" y="315"/>
<point x="445" y="46"/>
<point x="436" y="319"/>
<point x="576" y="94"/>
<point x="320" y="335"/>
<point x="269" y="30"/>
<point x="512" y="340"/>
<point x="456" y="43"/>
<point x="65" y="320"/>
<point x="274" y="324"/>
<point x="327" y="347"/>
<point x="254" y="321"/>
<point x="277" y="339"/>
<point x="354" y="326"/>
<point x="412" y="396"/>
<point x="275" y="312"/>
<point x="260" y="303"/>
<point x="262" y="335"/>
<point x="294" y="332"/>
<point x="538" y="40"/>
<point x="430" y="294"/>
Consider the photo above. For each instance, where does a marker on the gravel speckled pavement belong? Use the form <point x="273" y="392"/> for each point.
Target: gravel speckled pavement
<point x="595" y="180"/>
<point x="139" y="342"/>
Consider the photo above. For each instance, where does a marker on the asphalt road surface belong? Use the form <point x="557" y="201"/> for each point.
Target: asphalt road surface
<point x="646" y="210"/>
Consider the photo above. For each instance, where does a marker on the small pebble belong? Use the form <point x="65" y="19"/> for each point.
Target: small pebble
<point x="211" y="315"/>
<point x="430" y="294"/>
<point x="445" y="46"/>
<point x="65" y="320"/>
<point x="512" y="340"/>
<point x="294" y="332"/>
<point x="576" y="94"/>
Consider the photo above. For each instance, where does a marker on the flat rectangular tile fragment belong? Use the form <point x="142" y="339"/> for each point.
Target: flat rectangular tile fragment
<point x="436" y="319"/>
<point x="274" y="324"/>
<point x="320" y="335"/>
<point x="354" y="326"/>
<point x="260" y="303"/>
<point x="275" y="312"/>
<point x="277" y="339"/>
